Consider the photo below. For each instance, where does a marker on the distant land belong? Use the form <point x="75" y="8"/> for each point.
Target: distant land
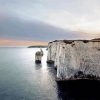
<point x="38" y="46"/>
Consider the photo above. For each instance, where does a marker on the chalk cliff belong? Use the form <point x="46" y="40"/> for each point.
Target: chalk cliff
<point x="75" y="58"/>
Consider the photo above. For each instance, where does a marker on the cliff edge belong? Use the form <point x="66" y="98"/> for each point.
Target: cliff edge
<point x="75" y="59"/>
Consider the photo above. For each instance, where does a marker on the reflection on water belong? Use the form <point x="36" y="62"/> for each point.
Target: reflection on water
<point x="79" y="90"/>
<point x="38" y="66"/>
<point x="22" y="79"/>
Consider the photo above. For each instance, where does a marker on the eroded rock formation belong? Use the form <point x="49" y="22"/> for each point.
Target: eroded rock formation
<point x="75" y="58"/>
<point x="38" y="56"/>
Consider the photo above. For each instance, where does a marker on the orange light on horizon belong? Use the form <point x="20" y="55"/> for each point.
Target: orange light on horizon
<point x="9" y="42"/>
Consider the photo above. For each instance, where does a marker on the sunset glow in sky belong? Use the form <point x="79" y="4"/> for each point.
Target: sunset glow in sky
<point x="6" y="42"/>
<point x="47" y="20"/>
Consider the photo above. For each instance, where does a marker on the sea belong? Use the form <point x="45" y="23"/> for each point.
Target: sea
<point x="22" y="79"/>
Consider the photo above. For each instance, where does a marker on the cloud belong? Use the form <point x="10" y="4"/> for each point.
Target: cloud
<point x="13" y="27"/>
<point x="46" y="20"/>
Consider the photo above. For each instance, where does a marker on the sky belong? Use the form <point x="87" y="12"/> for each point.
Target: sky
<point x="47" y="20"/>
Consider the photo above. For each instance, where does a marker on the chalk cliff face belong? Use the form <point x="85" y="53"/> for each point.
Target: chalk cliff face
<point x="75" y="58"/>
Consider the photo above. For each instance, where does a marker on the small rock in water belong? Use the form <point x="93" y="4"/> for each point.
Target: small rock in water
<point x="38" y="56"/>
<point x="50" y="62"/>
<point x="37" y="61"/>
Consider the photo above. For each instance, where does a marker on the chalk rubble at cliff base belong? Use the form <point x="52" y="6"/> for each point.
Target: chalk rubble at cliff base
<point x="75" y="59"/>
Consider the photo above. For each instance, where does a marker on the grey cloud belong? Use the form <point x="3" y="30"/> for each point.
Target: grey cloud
<point x="18" y="19"/>
<point x="14" y="28"/>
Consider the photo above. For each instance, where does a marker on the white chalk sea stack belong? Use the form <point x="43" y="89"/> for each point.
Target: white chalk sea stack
<point x="75" y="58"/>
<point x="38" y="56"/>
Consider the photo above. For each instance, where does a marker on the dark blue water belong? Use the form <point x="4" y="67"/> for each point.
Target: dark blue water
<point x="22" y="79"/>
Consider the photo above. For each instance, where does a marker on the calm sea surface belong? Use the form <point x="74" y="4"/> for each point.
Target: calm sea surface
<point x="22" y="79"/>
